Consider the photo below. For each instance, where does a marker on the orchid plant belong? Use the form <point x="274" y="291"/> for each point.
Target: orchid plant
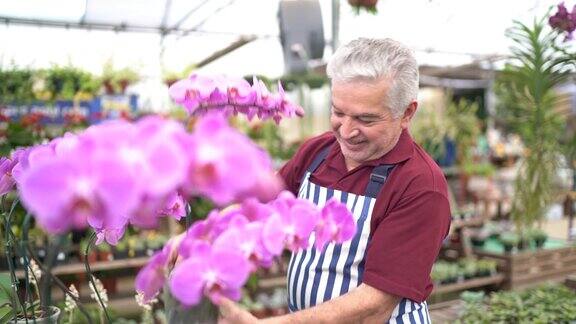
<point x="119" y="174"/>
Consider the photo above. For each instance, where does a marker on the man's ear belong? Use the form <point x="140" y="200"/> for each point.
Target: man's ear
<point x="408" y="114"/>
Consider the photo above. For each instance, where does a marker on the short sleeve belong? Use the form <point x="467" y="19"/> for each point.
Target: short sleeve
<point x="405" y="245"/>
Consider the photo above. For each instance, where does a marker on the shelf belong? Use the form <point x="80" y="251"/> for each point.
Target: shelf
<point x="96" y="266"/>
<point x="467" y="284"/>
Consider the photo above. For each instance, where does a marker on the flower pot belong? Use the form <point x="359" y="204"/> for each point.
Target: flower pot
<point x="540" y="242"/>
<point x="363" y="3"/>
<point x="109" y="87"/>
<point x="105" y="256"/>
<point x="449" y="281"/>
<point x="92" y="257"/>
<point x="123" y="85"/>
<point x="483" y="273"/>
<point x="170" y="82"/>
<point x="523" y="244"/>
<point x="110" y="284"/>
<point x="43" y="317"/>
<point x="508" y="247"/>
<point x="477" y="242"/>
<point x="120" y="254"/>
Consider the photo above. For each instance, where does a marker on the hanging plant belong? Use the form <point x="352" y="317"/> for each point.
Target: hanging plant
<point x="15" y="85"/>
<point x="366" y="5"/>
<point x="65" y="83"/>
<point x="116" y="81"/>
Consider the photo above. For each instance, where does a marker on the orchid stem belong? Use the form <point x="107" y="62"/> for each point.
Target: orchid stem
<point x="91" y="277"/>
<point x="61" y="285"/>
<point x="9" y="245"/>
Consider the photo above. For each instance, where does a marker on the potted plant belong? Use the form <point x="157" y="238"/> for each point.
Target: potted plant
<point x="366" y="5"/>
<point x="104" y="252"/>
<point x="524" y="242"/>
<point x="116" y="81"/>
<point x="509" y="241"/>
<point x="14" y="310"/>
<point x="478" y="238"/>
<point x="126" y="77"/>
<point x="16" y="85"/>
<point x="539" y="237"/>
<point x="120" y="251"/>
<point x="66" y="83"/>
<point x="486" y="267"/>
<point x="469" y="268"/>
<point x="438" y="273"/>
<point x="136" y="247"/>
<point x="541" y="62"/>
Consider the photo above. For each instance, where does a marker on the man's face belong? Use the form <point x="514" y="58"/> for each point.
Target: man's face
<point x="362" y="123"/>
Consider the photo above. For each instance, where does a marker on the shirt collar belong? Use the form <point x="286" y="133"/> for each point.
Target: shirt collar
<point x="402" y="151"/>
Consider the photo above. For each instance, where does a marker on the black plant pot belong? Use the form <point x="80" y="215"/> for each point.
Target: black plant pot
<point x="120" y="254"/>
<point x="483" y="273"/>
<point x="540" y="242"/>
<point x="477" y="242"/>
<point x="3" y="263"/>
<point x="140" y="253"/>
<point x="508" y="247"/>
<point x="523" y="245"/>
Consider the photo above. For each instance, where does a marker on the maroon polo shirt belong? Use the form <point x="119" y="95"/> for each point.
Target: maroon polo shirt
<point x="411" y="216"/>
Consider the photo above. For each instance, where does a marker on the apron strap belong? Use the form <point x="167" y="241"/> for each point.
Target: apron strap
<point x="318" y="160"/>
<point x="377" y="179"/>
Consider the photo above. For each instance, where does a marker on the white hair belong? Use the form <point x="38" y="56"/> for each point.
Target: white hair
<point x="372" y="60"/>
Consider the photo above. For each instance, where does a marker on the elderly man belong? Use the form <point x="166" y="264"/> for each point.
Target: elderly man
<point x="397" y="193"/>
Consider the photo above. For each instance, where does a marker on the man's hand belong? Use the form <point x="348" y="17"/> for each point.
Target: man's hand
<point x="231" y="313"/>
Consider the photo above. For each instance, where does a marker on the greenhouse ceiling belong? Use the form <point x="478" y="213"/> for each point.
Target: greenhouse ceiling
<point x="442" y="32"/>
<point x="179" y="17"/>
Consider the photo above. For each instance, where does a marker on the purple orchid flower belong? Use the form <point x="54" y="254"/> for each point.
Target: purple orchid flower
<point x="247" y="239"/>
<point x="225" y="164"/>
<point x="335" y="224"/>
<point x="193" y="91"/>
<point x="65" y="193"/>
<point x="175" y="206"/>
<point x="209" y="230"/>
<point x="6" y="179"/>
<point x="291" y="225"/>
<point x="152" y="276"/>
<point x="564" y="21"/>
<point x="211" y="272"/>
<point x="255" y="211"/>
<point x="111" y="236"/>
<point x="230" y="96"/>
<point x="240" y="92"/>
<point x="286" y="107"/>
<point x="20" y="158"/>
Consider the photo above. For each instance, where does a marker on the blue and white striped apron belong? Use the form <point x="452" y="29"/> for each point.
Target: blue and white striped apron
<point x="315" y="277"/>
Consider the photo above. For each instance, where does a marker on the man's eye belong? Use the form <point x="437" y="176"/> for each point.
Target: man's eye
<point x="365" y="120"/>
<point x="337" y="113"/>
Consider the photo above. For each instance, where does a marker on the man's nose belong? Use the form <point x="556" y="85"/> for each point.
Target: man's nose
<point x="348" y="130"/>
